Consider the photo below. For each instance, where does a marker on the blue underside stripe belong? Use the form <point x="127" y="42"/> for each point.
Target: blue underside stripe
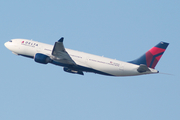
<point x="78" y="67"/>
<point x="81" y="68"/>
<point x="26" y="56"/>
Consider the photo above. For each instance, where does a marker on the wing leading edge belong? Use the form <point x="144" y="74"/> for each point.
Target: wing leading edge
<point x="59" y="54"/>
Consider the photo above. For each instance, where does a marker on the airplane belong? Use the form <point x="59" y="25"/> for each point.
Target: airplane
<point x="78" y="62"/>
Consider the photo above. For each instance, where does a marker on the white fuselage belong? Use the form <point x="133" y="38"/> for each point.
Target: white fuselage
<point x="105" y="65"/>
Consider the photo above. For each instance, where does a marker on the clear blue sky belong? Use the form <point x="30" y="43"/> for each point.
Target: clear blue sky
<point x="122" y="30"/>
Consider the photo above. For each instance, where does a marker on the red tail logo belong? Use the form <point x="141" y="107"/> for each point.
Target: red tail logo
<point x="153" y="56"/>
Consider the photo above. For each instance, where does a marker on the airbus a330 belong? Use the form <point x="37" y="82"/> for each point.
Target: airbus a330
<point x="77" y="62"/>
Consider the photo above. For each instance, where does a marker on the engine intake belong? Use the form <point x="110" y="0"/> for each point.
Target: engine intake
<point x="41" y="58"/>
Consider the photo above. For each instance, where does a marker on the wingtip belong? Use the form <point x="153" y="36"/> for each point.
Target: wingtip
<point x="61" y="39"/>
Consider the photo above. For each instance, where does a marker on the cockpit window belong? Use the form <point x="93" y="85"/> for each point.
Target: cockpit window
<point x="10" y="41"/>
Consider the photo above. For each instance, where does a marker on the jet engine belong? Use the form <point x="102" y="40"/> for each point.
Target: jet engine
<point x="41" y="58"/>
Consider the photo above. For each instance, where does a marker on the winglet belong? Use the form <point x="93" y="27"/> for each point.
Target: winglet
<point x="61" y="39"/>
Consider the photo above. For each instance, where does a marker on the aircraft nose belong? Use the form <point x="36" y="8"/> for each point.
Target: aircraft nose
<point x="6" y="44"/>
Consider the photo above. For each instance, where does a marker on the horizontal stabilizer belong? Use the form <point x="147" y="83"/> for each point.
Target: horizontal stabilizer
<point x="143" y="68"/>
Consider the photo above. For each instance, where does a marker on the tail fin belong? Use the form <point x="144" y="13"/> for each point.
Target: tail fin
<point x="151" y="57"/>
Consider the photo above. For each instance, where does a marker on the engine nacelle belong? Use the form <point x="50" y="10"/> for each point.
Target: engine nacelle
<point x="73" y="71"/>
<point x="41" y="58"/>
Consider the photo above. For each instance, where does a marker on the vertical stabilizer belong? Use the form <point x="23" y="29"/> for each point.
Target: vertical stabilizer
<point x="151" y="57"/>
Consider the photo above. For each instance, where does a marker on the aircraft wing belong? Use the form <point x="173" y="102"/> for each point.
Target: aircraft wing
<point x="60" y="54"/>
